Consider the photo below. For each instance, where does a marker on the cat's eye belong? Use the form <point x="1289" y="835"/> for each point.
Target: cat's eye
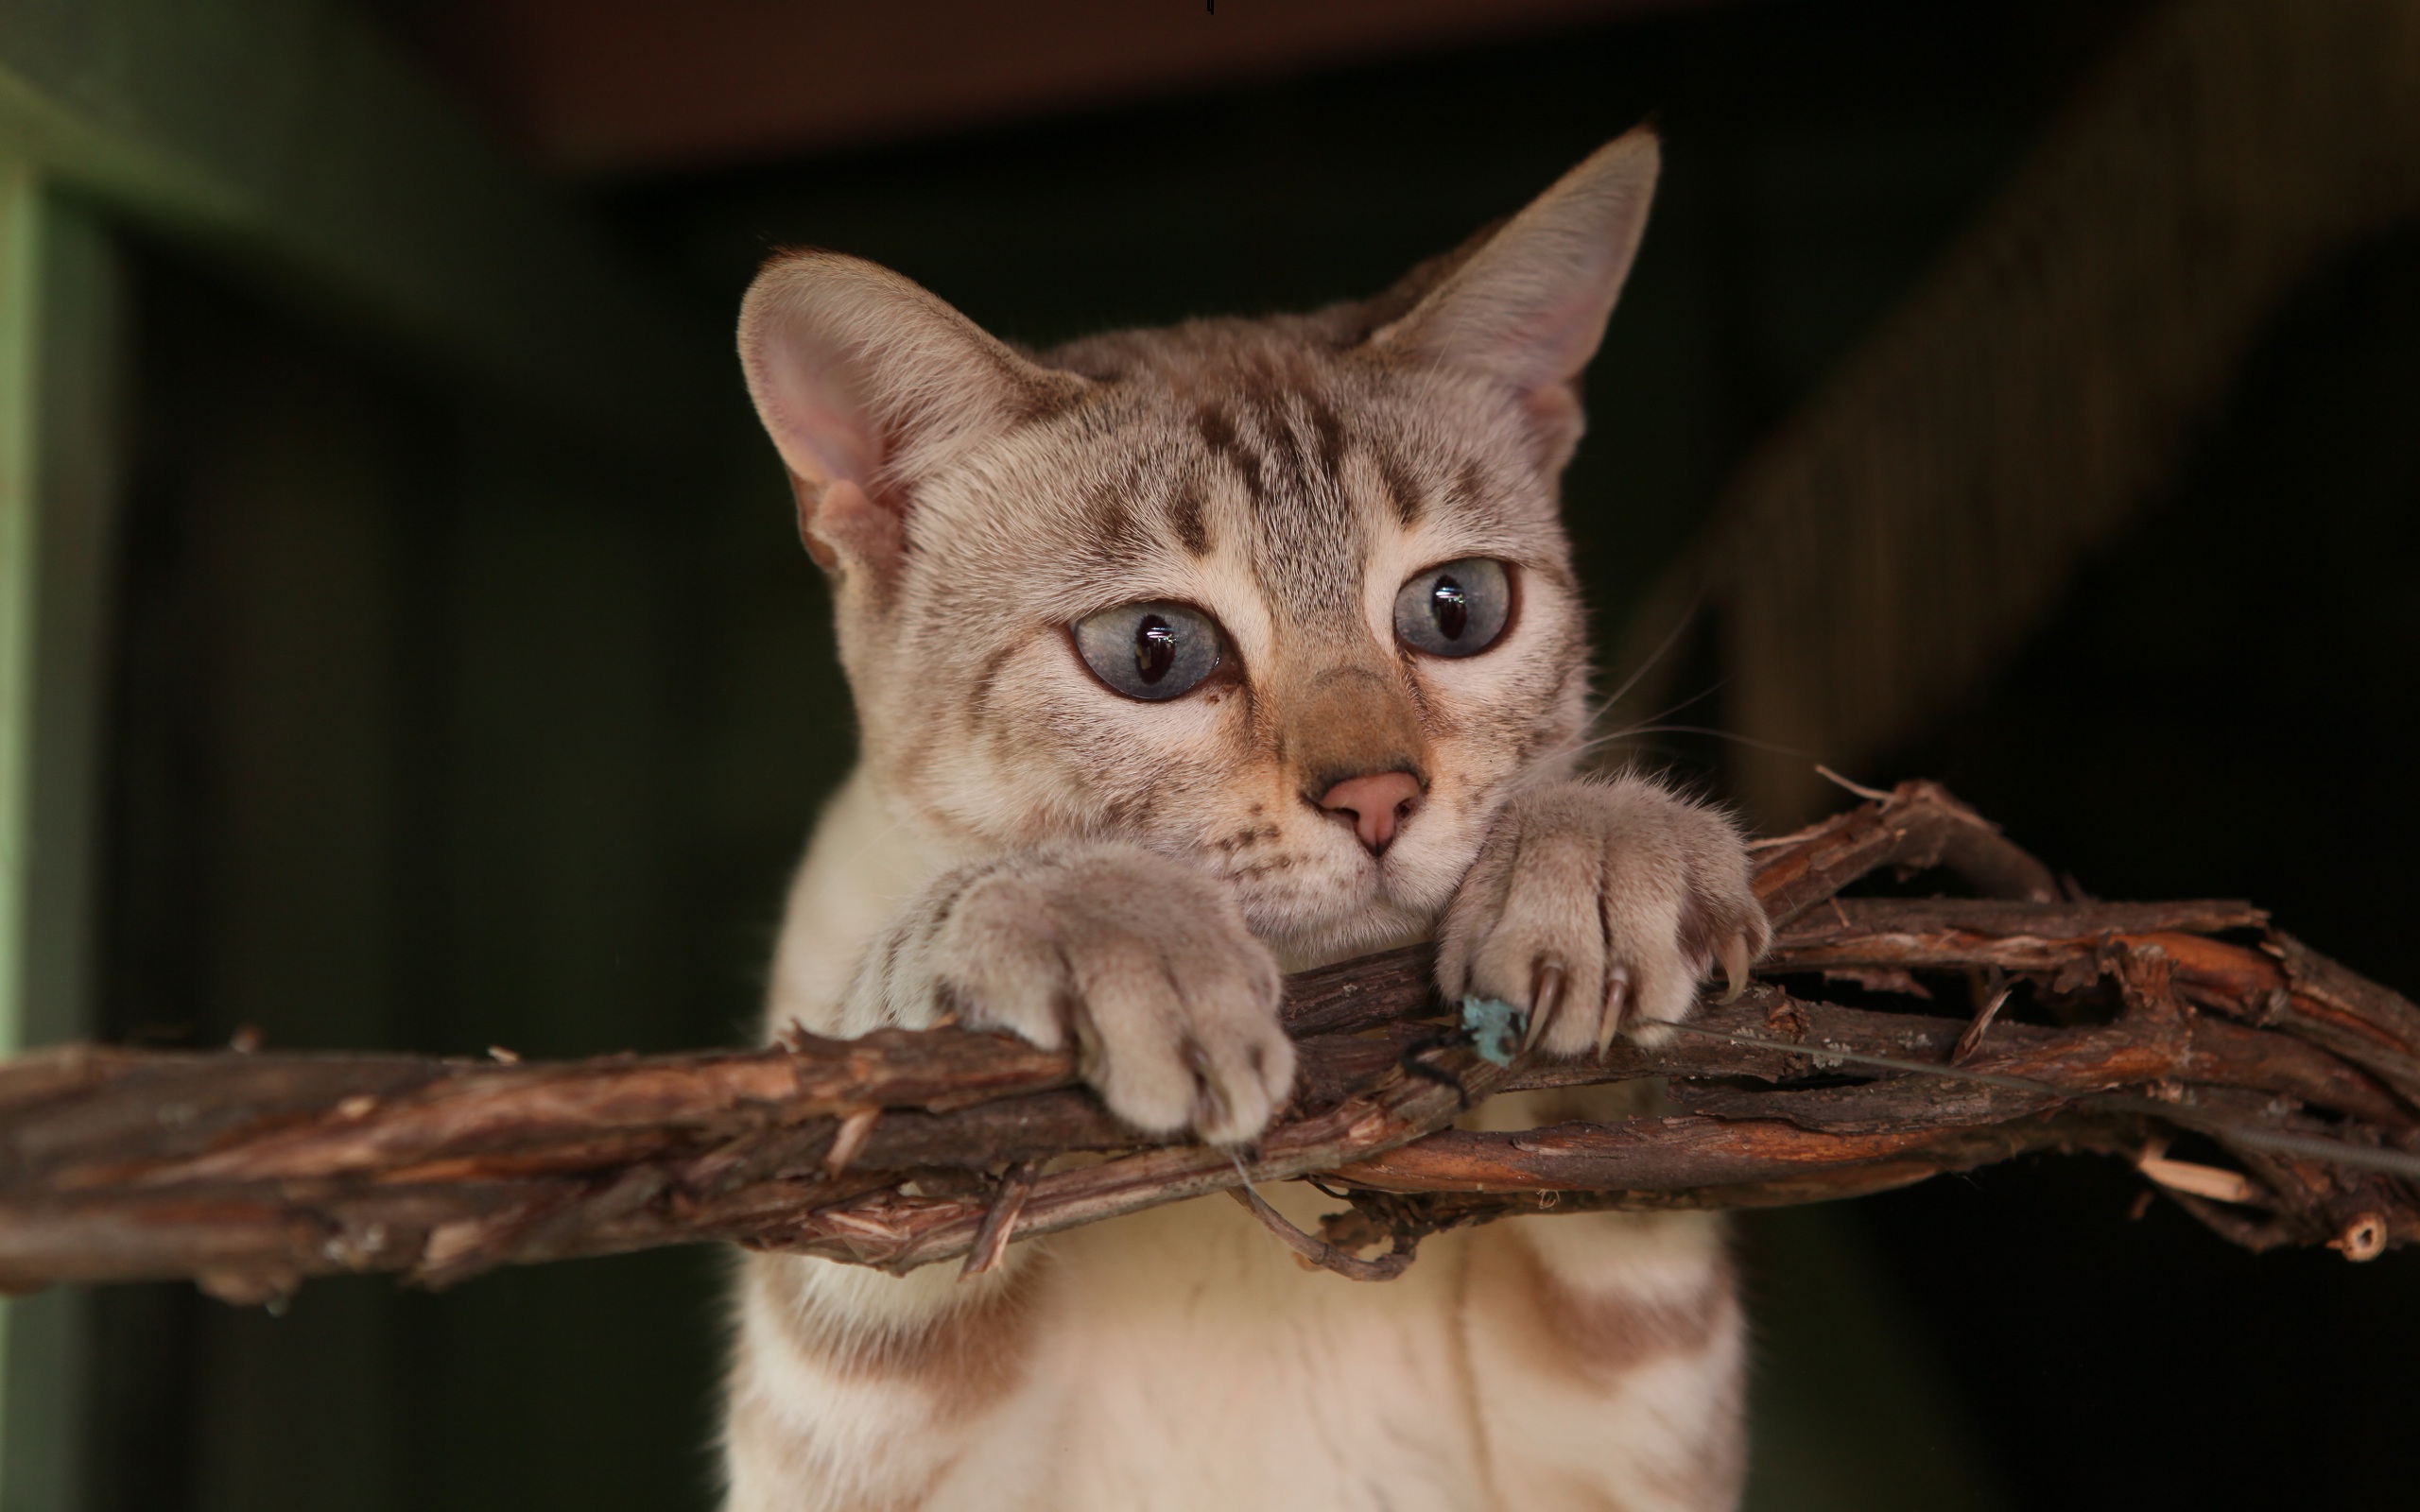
<point x="1455" y="610"/>
<point x="1150" y="651"/>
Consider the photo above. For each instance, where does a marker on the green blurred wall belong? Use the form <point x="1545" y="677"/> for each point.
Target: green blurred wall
<point x="404" y="757"/>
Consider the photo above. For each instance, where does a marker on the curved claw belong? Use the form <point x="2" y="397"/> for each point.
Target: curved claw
<point x="1546" y="999"/>
<point x="1616" y="1004"/>
<point x="1735" y="966"/>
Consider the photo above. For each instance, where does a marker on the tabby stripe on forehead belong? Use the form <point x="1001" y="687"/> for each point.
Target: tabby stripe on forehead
<point x="1113" y="519"/>
<point x="1277" y="429"/>
<point x="1185" y="519"/>
<point x="1330" y="433"/>
<point x="1218" y="434"/>
<point x="1402" y="489"/>
<point x="1470" y="484"/>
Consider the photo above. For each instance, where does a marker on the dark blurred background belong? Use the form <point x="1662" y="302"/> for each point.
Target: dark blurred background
<point x="424" y="657"/>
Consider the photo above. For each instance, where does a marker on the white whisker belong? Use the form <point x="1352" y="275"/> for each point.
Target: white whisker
<point x="1663" y="648"/>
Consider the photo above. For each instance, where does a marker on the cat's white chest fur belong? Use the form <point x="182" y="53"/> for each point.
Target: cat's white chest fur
<point x="1192" y="1365"/>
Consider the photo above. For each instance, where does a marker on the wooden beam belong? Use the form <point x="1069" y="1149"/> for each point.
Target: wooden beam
<point x="288" y="135"/>
<point x="608" y="86"/>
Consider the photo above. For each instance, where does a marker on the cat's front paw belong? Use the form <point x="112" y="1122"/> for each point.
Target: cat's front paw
<point x="1141" y="963"/>
<point x="1600" y="907"/>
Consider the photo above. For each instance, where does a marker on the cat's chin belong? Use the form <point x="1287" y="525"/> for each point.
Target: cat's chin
<point x="1377" y="925"/>
<point x="1304" y="951"/>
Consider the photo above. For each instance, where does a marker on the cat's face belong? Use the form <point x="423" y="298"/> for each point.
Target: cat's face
<point x="1270" y="519"/>
<point x="1177" y="586"/>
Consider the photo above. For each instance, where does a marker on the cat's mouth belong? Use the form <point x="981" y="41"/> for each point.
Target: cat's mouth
<point x="1329" y="900"/>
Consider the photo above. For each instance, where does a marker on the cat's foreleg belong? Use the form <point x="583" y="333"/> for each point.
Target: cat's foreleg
<point x="1606" y="1350"/>
<point x="853" y="1388"/>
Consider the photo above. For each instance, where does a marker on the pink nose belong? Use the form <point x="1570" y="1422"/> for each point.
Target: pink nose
<point x="1379" y="802"/>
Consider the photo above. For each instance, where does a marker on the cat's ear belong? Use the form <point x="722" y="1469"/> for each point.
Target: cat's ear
<point x="1528" y="304"/>
<point x="868" y="384"/>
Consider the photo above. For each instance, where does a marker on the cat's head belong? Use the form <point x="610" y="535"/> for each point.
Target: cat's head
<point x="1255" y="593"/>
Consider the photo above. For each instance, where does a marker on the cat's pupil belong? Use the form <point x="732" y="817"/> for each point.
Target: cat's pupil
<point x="1450" y="607"/>
<point x="1154" y="648"/>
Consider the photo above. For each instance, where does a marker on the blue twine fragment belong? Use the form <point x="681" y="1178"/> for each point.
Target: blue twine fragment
<point x="1496" y="1028"/>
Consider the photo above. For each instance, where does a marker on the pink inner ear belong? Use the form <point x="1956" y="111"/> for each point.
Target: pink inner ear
<point x="817" y="415"/>
<point x="1549" y="347"/>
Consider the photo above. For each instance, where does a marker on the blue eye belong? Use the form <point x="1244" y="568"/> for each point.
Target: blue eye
<point x="1150" y="651"/>
<point x="1455" y="609"/>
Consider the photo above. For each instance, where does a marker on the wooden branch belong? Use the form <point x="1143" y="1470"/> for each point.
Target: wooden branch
<point x="2079" y="1026"/>
<point x="1919" y="827"/>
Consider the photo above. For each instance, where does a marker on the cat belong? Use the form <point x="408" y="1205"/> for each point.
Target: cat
<point x="1183" y="658"/>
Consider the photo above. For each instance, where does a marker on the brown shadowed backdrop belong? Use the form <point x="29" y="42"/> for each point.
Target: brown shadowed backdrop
<point x="2015" y="394"/>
